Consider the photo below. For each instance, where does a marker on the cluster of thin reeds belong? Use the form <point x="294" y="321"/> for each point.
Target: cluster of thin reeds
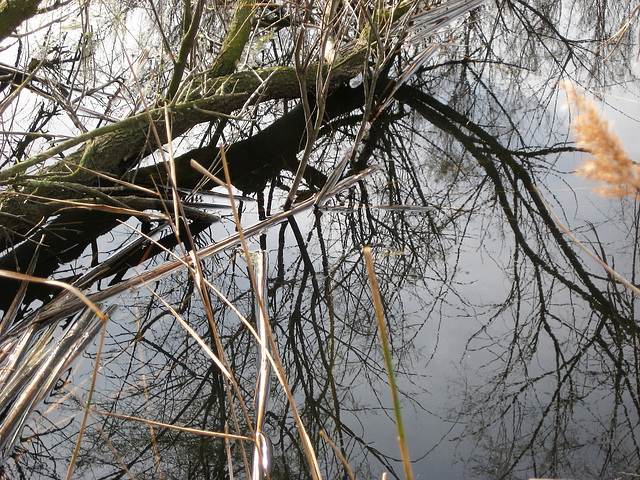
<point x="609" y="162"/>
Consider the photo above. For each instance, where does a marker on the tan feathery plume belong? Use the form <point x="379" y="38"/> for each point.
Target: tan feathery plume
<point x="609" y="162"/>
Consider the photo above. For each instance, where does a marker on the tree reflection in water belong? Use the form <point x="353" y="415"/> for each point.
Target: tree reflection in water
<point x="461" y="148"/>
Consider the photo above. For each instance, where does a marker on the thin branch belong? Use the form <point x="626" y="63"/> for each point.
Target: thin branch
<point x="185" y="48"/>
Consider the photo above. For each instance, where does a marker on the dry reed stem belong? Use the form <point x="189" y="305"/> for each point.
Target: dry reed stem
<point x="386" y="352"/>
<point x="338" y="453"/>
<point x="194" y="335"/>
<point x="85" y="413"/>
<point x="573" y="238"/>
<point x="144" y="365"/>
<point x="278" y="367"/>
<point x="195" y="271"/>
<point x="69" y="288"/>
<point x="227" y="446"/>
<point x="609" y="162"/>
<point x="196" y="431"/>
<point x="279" y="370"/>
<point x="111" y="447"/>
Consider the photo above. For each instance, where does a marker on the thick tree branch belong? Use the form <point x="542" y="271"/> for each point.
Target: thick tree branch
<point x="14" y="12"/>
<point x="116" y="148"/>
<point x="235" y="41"/>
<point x="255" y="160"/>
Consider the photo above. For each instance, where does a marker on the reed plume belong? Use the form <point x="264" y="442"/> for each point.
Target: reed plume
<point x="609" y="162"/>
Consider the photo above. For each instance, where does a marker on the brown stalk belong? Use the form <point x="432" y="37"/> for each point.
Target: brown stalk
<point x="195" y="431"/>
<point x="55" y="283"/>
<point x="386" y="351"/>
<point x="338" y="453"/>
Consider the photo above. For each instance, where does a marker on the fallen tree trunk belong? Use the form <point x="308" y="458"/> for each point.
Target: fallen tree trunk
<point x="256" y="160"/>
<point x="114" y="149"/>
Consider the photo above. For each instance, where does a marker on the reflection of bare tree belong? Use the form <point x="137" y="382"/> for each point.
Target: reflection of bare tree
<point x="525" y="416"/>
<point x="459" y="153"/>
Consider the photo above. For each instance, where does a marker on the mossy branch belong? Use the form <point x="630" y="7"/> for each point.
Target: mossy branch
<point x="119" y="140"/>
<point x="185" y="47"/>
<point x="235" y="41"/>
<point x="13" y="13"/>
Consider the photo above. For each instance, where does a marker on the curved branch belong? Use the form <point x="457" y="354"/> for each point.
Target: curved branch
<point x="185" y="47"/>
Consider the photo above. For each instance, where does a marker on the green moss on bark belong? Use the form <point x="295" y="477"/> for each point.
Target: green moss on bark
<point x="13" y="13"/>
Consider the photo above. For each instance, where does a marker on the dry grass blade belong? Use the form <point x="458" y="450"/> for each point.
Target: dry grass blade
<point x="85" y="413"/>
<point x="567" y="232"/>
<point x="172" y="174"/>
<point x="261" y="453"/>
<point x="338" y="453"/>
<point x="70" y="288"/>
<point x="10" y="314"/>
<point x="111" y="447"/>
<point x="384" y="340"/>
<point x="119" y="208"/>
<point x="195" y="336"/>
<point x="279" y="368"/>
<point x="618" y="37"/>
<point x="195" y="431"/>
<point x="227" y="446"/>
<point x="428" y="22"/>
<point x="36" y="363"/>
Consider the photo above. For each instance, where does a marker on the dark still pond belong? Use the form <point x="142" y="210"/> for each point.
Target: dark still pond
<point x="159" y="323"/>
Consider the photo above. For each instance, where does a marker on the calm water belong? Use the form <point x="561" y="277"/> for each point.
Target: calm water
<point x="514" y="352"/>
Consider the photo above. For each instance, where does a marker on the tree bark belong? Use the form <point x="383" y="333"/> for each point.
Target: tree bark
<point x="14" y="12"/>
<point x="256" y="160"/>
<point x="114" y="149"/>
